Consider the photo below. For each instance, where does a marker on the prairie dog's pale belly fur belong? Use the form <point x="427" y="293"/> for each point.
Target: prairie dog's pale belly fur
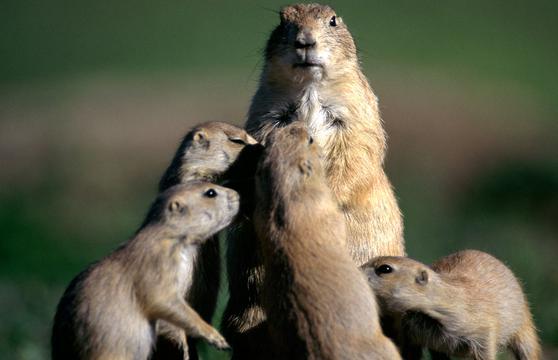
<point x="323" y="115"/>
<point x="187" y="260"/>
<point x="320" y="117"/>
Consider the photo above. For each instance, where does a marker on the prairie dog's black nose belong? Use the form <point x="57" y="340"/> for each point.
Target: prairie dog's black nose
<point x="304" y="40"/>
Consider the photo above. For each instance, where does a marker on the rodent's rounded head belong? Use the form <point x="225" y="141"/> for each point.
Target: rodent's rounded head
<point x="196" y="210"/>
<point x="311" y="43"/>
<point x="291" y="158"/>
<point x="206" y="152"/>
<point x="398" y="282"/>
<point x="291" y="163"/>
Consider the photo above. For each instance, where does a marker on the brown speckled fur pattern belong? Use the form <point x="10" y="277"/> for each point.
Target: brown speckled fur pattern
<point x="112" y="309"/>
<point x="337" y="104"/>
<point x="465" y="304"/>
<point x="318" y="303"/>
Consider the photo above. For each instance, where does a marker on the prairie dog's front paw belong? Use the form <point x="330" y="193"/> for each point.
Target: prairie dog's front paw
<point x="218" y="340"/>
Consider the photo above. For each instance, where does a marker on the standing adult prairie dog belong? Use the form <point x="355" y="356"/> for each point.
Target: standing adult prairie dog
<point x="208" y="152"/>
<point x="311" y="74"/>
<point x="466" y="304"/>
<point x="112" y="309"/>
<point x="318" y="303"/>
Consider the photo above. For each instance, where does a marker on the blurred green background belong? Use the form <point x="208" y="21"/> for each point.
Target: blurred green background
<point x="94" y="97"/>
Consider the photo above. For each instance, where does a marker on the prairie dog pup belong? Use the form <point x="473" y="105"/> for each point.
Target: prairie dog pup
<point x="205" y="153"/>
<point x="208" y="152"/>
<point x="465" y="304"/>
<point x="111" y="310"/>
<point x="311" y="74"/>
<point x="318" y="303"/>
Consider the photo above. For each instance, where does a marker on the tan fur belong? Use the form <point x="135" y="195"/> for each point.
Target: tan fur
<point x="335" y="101"/>
<point x="206" y="153"/>
<point x="467" y="304"/>
<point x="318" y="303"/>
<point x="111" y="310"/>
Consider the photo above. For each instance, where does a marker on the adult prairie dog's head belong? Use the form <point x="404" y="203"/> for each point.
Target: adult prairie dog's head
<point x="311" y="43"/>
<point x="400" y="284"/>
<point x="194" y="211"/>
<point x="205" y="153"/>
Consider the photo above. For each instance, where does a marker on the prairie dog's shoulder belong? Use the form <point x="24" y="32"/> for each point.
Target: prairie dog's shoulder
<point x="467" y="261"/>
<point x="205" y="152"/>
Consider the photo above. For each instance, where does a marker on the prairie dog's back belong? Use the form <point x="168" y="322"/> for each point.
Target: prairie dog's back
<point x="489" y="286"/>
<point x="319" y="305"/>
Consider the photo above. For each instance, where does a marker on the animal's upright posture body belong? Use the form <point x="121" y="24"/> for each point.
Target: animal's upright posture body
<point x="312" y="75"/>
<point x="206" y="153"/>
<point x="113" y="309"/>
<point x="318" y="303"/>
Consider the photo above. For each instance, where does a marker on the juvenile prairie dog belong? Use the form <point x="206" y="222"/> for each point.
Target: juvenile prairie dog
<point x="465" y="304"/>
<point x="311" y="74"/>
<point x="318" y="303"/>
<point x="112" y="309"/>
<point x="206" y="153"/>
<point x="215" y="152"/>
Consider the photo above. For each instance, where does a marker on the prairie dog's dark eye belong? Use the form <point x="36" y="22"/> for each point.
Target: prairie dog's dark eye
<point x="383" y="269"/>
<point x="237" y="141"/>
<point x="211" y="193"/>
<point x="311" y="140"/>
<point x="333" y="21"/>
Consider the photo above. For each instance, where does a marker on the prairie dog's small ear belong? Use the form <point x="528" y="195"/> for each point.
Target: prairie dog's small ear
<point x="422" y="277"/>
<point x="286" y="12"/>
<point x="200" y="136"/>
<point x="305" y="167"/>
<point x="174" y="206"/>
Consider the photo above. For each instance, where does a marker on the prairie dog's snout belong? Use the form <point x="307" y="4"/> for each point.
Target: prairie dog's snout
<point x="304" y="39"/>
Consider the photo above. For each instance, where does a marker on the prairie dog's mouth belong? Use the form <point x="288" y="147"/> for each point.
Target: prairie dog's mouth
<point x="306" y="65"/>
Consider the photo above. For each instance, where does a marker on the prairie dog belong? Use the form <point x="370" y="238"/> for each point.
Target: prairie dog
<point x="311" y="74"/>
<point x="112" y="309"/>
<point x="208" y="152"/>
<point x="465" y="304"/>
<point x="318" y="303"/>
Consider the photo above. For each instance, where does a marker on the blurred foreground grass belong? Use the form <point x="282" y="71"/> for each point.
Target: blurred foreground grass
<point x="95" y="96"/>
